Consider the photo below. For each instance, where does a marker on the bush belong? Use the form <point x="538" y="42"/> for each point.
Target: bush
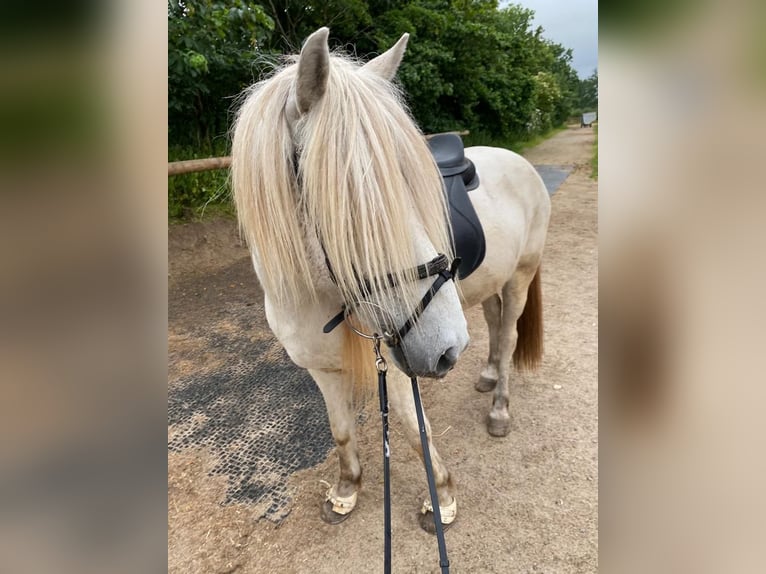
<point x="191" y="193"/>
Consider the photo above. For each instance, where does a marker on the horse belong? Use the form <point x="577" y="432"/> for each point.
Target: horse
<point x="340" y="201"/>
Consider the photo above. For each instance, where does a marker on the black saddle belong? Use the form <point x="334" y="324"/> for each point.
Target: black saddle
<point x="460" y="177"/>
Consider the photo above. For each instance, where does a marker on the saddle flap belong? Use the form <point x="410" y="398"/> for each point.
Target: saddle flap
<point x="459" y="176"/>
<point x="467" y="233"/>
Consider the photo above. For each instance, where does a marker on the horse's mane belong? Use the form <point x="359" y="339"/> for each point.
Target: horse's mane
<point x="365" y="175"/>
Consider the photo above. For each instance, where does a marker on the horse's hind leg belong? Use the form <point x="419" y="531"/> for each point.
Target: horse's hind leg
<point x="402" y="402"/>
<point x="337" y="393"/>
<point x="514" y="299"/>
<point x="493" y="308"/>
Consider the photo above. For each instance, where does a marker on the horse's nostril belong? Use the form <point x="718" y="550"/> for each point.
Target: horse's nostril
<point x="447" y="360"/>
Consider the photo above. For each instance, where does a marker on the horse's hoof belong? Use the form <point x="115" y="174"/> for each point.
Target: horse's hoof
<point x="426" y="522"/>
<point x="330" y="516"/>
<point x="498" y="426"/>
<point x="484" y="384"/>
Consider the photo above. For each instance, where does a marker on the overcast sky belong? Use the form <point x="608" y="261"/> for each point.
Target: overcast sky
<point x="571" y="23"/>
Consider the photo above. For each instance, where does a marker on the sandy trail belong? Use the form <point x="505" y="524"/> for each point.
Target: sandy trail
<point x="528" y="502"/>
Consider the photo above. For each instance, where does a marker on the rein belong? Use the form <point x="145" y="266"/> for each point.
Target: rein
<point x="382" y="367"/>
<point x="440" y="267"/>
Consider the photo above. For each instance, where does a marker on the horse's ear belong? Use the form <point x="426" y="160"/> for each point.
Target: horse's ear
<point x="313" y="69"/>
<point x="388" y="62"/>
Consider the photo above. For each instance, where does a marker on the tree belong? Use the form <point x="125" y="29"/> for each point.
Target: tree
<point x="589" y="92"/>
<point x="470" y="64"/>
<point x="567" y="80"/>
<point x="211" y="48"/>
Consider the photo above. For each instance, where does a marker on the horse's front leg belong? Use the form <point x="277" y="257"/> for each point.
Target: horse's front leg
<point x="403" y="403"/>
<point x="342" y="496"/>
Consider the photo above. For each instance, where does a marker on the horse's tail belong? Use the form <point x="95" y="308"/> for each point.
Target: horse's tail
<point x="529" y="345"/>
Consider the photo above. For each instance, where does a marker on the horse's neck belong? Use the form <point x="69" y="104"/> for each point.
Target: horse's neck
<point x="298" y="324"/>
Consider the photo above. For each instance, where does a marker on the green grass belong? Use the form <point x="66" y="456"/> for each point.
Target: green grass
<point x="225" y="209"/>
<point x="523" y="145"/>
<point x="518" y="144"/>
<point x="192" y="196"/>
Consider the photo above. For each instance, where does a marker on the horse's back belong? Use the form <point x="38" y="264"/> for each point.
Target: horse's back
<point x="514" y="208"/>
<point x="509" y="178"/>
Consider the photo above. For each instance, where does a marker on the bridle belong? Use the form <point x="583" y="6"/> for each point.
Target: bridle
<point x="441" y="268"/>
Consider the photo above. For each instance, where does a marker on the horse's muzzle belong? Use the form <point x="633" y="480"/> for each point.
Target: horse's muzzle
<point x="447" y="361"/>
<point x="443" y="365"/>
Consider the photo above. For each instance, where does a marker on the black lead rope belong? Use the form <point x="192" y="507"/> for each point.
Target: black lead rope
<point x="443" y="560"/>
<point x="440" y="267"/>
<point x="380" y="364"/>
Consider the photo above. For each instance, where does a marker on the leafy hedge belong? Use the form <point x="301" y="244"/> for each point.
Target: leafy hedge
<point x="470" y="64"/>
<point x="191" y="193"/>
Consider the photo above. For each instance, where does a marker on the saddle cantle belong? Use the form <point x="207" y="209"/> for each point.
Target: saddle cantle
<point x="460" y="177"/>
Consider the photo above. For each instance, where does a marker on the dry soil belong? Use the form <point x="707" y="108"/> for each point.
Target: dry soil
<point x="528" y="502"/>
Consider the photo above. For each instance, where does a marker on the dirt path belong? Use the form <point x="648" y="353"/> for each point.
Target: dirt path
<point x="528" y="502"/>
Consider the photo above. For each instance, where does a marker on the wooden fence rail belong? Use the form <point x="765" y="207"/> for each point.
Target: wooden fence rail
<point x="208" y="163"/>
<point x="192" y="165"/>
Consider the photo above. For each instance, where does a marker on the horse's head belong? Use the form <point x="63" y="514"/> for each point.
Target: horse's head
<point x="367" y="192"/>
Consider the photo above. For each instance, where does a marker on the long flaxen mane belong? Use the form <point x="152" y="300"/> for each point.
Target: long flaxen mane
<point x="365" y="176"/>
